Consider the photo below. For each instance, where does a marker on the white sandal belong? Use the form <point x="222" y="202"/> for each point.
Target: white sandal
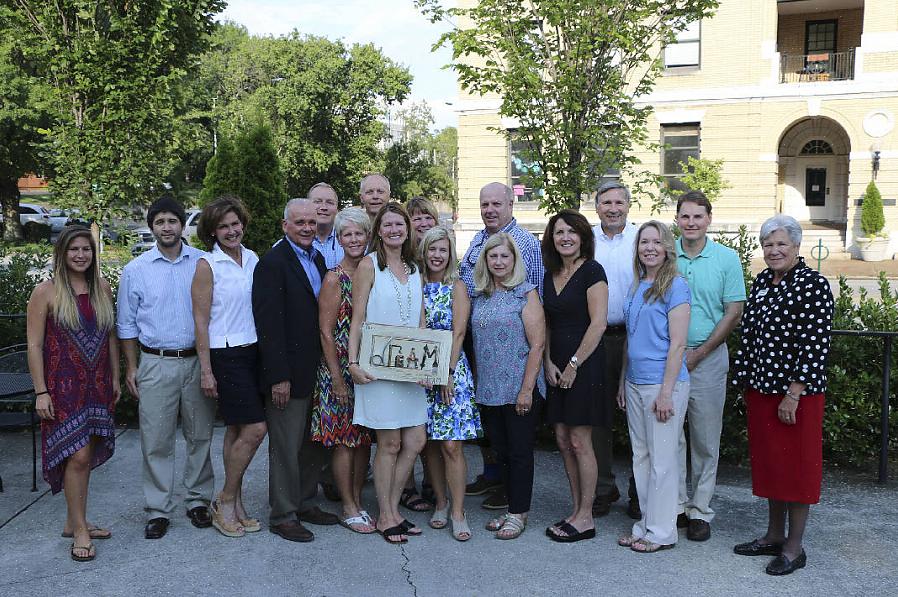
<point x="512" y="528"/>
<point x="460" y="528"/>
<point x="440" y="517"/>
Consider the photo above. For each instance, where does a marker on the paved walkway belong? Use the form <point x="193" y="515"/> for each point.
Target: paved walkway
<point x="851" y="545"/>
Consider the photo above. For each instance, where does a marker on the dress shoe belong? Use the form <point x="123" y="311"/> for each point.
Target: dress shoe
<point x="481" y="485"/>
<point x="601" y="505"/>
<point x="330" y="492"/>
<point x="496" y="500"/>
<point x="780" y="566"/>
<point x="756" y="548"/>
<point x="156" y="528"/>
<point x="318" y="516"/>
<point x="682" y="521"/>
<point x="699" y="530"/>
<point x="633" y="510"/>
<point x="292" y="530"/>
<point x="200" y="517"/>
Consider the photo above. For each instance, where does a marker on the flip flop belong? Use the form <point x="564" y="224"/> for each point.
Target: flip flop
<point x="571" y="534"/>
<point x="91" y="552"/>
<point x="356" y="520"/>
<point x="95" y="533"/>
<point x="393" y="532"/>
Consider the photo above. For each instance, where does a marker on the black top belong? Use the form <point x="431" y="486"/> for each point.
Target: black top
<point x="786" y="332"/>
<point x="567" y="316"/>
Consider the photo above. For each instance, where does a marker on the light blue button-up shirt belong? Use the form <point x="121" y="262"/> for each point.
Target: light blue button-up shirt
<point x="528" y="245"/>
<point x="154" y="302"/>
<point x="330" y="249"/>
<point x="307" y="260"/>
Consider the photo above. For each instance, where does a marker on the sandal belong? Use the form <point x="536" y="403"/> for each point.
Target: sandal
<point x="511" y="528"/>
<point x="353" y="523"/>
<point x="224" y="527"/>
<point x="460" y="529"/>
<point x="646" y="546"/>
<point x="95" y="533"/>
<point x="91" y="552"/>
<point x="627" y="540"/>
<point x="409" y="528"/>
<point x="440" y="517"/>
<point x="394" y="532"/>
<point x="414" y="502"/>
<point x="496" y="523"/>
<point x="368" y="518"/>
<point x="250" y="525"/>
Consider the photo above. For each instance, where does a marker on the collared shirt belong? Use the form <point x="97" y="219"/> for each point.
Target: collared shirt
<point x="715" y="279"/>
<point x="527" y="245"/>
<point x="307" y="260"/>
<point x="615" y="253"/>
<point x="154" y="303"/>
<point x="231" y="320"/>
<point x="329" y="248"/>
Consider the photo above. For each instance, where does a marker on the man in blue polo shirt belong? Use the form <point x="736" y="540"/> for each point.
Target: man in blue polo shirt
<point x="715" y="279"/>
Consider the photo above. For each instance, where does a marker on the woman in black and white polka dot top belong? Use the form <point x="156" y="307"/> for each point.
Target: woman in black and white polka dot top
<point x="781" y="363"/>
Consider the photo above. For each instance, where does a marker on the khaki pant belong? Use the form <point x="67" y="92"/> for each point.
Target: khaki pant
<point x="169" y="386"/>
<point x="704" y="415"/>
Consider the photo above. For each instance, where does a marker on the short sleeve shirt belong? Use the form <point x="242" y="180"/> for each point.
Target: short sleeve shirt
<point x="648" y="333"/>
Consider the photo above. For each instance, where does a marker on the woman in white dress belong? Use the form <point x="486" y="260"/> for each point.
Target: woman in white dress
<point x="387" y="289"/>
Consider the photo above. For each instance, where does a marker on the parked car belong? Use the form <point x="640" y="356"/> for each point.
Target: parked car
<point x="147" y="241"/>
<point x="58" y="220"/>
<point x="29" y="212"/>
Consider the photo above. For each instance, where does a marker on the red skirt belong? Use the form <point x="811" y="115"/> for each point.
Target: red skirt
<point x="786" y="460"/>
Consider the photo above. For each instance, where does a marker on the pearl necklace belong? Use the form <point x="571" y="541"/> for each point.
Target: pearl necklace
<point x="405" y="314"/>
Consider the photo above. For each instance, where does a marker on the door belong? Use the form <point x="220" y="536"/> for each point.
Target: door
<point x="815" y="187"/>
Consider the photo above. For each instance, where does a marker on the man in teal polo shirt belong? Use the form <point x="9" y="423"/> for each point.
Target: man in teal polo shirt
<point x="715" y="279"/>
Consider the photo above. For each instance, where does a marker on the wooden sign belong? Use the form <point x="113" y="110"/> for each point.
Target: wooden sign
<point x="400" y="353"/>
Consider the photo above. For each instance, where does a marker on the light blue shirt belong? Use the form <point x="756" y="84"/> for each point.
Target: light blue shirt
<point x="154" y="303"/>
<point x="648" y="333"/>
<point x="307" y="260"/>
<point x="527" y="244"/>
<point x="330" y="249"/>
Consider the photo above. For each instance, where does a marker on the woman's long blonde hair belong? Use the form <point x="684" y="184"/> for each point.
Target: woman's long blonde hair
<point x="437" y="233"/>
<point x="65" y="305"/>
<point x="665" y="276"/>
<point x="483" y="279"/>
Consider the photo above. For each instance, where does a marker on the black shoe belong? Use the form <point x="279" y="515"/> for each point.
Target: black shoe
<point x="756" y="548"/>
<point x="602" y="504"/>
<point x="330" y="492"/>
<point x="156" y="528"/>
<point x="682" y="521"/>
<point x="481" y="485"/>
<point x="699" y="530"/>
<point x="200" y="517"/>
<point x="781" y="566"/>
<point x="497" y="500"/>
<point x="633" y="510"/>
<point x="318" y="516"/>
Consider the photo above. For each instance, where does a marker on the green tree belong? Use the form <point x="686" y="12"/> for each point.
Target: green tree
<point x="872" y="217"/>
<point x="571" y="72"/>
<point x="113" y="70"/>
<point x="252" y="171"/>
<point x="699" y="174"/>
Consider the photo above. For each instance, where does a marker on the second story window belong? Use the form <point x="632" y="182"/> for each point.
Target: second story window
<point x="686" y="50"/>
<point x="678" y="143"/>
<point x="519" y="166"/>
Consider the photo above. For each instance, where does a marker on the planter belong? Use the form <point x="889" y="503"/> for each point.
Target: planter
<point x="873" y="248"/>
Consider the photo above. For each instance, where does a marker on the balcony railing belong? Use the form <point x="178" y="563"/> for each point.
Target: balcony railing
<point x="820" y="66"/>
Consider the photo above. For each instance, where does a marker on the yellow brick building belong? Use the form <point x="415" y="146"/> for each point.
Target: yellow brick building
<point x="798" y="97"/>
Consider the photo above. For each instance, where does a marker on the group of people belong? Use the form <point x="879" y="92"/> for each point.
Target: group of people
<point x="563" y="329"/>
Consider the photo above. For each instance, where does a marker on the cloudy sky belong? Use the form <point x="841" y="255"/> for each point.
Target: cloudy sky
<point x="395" y="26"/>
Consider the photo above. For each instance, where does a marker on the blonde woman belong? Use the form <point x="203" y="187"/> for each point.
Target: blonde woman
<point x="654" y="384"/>
<point x="509" y="331"/>
<point x="73" y="358"/>
<point x="452" y="414"/>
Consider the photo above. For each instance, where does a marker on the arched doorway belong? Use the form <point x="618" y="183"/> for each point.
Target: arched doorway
<point x="813" y="170"/>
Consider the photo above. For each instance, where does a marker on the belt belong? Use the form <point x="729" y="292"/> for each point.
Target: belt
<point x="616" y="330"/>
<point x="181" y="353"/>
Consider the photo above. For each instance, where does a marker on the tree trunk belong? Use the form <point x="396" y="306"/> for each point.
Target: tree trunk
<point x="9" y="202"/>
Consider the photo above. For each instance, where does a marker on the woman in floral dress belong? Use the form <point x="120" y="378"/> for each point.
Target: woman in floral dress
<point x="333" y="402"/>
<point x="452" y="414"/>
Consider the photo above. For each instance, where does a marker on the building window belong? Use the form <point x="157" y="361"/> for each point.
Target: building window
<point x="817" y="147"/>
<point x="686" y="50"/>
<point x="678" y="143"/>
<point x="518" y="167"/>
<point x="820" y="36"/>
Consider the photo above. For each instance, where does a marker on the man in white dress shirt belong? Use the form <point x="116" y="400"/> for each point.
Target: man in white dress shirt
<point x="615" y="245"/>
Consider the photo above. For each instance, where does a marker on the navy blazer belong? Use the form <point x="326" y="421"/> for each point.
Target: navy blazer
<point x="286" y="313"/>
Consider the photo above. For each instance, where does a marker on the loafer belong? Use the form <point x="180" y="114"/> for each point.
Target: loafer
<point x="200" y="517"/>
<point x="601" y="506"/>
<point x="756" y="548"/>
<point x="780" y="566"/>
<point x="633" y="510"/>
<point x="682" y="521"/>
<point x="156" y="528"/>
<point x="318" y="516"/>
<point x="481" y="485"/>
<point x="698" y="530"/>
<point x="292" y="530"/>
<point x="497" y="500"/>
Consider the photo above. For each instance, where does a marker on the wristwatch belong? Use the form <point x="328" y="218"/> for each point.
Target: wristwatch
<point x="574" y="362"/>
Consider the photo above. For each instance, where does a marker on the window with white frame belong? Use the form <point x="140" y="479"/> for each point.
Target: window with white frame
<point x="679" y="142"/>
<point x="519" y="166"/>
<point x="687" y="49"/>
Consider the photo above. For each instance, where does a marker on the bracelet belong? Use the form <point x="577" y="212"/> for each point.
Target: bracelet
<point x="41" y="393"/>
<point x="451" y="371"/>
<point x="351" y="363"/>
<point x="789" y="394"/>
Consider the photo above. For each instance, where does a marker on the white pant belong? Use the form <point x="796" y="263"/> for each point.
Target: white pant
<point x="707" y="395"/>
<point x="655" y="462"/>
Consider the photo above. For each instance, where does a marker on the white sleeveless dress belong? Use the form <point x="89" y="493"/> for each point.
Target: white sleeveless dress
<point x="392" y="404"/>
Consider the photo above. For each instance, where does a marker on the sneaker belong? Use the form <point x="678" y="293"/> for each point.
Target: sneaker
<point x="481" y="485"/>
<point x="496" y="500"/>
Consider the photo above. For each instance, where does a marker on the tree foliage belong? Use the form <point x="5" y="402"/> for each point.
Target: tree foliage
<point x="872" y="217"/>
<point x="699" y="174"/>
<point x="571" y="73"/>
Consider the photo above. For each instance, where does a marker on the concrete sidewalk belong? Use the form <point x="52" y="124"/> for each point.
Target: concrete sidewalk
<point x="851" y="543"/>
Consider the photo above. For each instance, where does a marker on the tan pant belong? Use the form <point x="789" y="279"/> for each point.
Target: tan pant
<point x="169" y="386"/>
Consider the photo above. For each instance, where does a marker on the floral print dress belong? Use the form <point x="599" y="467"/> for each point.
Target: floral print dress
<point x="459" y="420"/>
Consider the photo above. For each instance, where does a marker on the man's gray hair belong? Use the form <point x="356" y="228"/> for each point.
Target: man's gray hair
<point x="295" y="202"/>
<point x="507" y="190"/>
<point x="610" y="186"/>
<point x="782" y="222"/>
<point x="319" y="185"/>
<point x="352" y="215"/>
<point x="377" y="174"/>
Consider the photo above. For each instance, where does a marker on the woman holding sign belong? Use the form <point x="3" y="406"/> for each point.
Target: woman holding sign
<point x="387" y="289"/>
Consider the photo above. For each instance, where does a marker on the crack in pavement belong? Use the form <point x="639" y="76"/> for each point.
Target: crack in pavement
<point x="408" y="572"/>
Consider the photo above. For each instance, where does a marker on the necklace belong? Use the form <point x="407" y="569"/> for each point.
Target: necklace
<point x="489" y="314"/>
<point x="638" y="313"/>
<point x="405" y="314"/>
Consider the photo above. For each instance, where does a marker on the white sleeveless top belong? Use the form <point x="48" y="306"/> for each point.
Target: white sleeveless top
<point x="393" y="303"/>
<point x="231" y="320"/>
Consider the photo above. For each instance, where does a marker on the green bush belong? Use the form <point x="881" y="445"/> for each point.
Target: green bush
<point x="873" y="219"/>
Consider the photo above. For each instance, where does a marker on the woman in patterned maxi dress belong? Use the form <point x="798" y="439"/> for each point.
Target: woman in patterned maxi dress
<point x="73" y="360"/>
